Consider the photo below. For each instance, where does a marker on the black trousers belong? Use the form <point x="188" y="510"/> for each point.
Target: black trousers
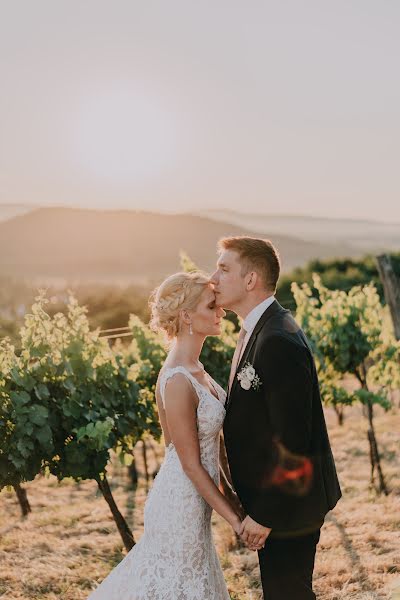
<point x="287" y="566"/>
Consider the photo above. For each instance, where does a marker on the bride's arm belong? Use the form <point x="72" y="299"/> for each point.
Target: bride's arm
<point x="180" y="403"/>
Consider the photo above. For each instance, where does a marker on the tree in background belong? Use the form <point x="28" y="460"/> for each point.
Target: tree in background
<point x="338" y="274"/>
<point x="71" y="401"/>
<point x="349" y="337"/>
<point x="108" y="305"/>
<point x="22" y="443"/>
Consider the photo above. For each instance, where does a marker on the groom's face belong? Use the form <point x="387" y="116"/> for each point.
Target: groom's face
<point x="228" y="281"/>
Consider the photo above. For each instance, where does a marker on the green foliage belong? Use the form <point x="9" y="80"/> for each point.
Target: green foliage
<point x="333" y="394"/>
<point x="367" y="397"/>
<point x="67" y="400"/>
<point x="109" y="305"/>
<point x="349" y="334"/>
<point x="337" y="274"/>
<point x="347" y="331"/>
<point x="25" y="437"/>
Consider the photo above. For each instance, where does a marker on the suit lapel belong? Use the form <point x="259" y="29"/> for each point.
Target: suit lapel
<point x="269" y="312"/>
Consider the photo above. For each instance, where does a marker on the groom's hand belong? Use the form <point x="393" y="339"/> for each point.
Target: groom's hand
<point x="253" y="534"/>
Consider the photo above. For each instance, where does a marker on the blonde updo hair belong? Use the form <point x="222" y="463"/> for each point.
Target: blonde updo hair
<point x="179" y="291"/>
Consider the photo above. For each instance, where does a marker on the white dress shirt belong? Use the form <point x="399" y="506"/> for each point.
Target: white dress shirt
<point x="252" y="319"/>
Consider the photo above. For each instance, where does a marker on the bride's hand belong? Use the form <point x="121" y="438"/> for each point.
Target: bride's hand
<point x="238" y="525"/>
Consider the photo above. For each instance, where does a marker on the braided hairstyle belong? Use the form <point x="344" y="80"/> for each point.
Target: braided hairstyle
<point x="179" y="291"/>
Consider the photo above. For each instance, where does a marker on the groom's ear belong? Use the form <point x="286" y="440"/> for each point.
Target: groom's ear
<point x="251" y="280"/>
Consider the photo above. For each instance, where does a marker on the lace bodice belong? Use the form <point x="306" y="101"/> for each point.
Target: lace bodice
<point x="210" y="417"/>
<point x="175" y="559"/>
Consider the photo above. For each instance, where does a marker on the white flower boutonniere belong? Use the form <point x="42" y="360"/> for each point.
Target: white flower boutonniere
<point x="248" y="377"/>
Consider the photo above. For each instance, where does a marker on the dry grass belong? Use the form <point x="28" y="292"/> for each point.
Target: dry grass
<point x="70" y="542"/>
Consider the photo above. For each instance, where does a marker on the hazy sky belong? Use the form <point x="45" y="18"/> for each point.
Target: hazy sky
<point x="289" y="106"/>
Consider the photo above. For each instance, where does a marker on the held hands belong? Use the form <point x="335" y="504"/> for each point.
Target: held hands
<point x="252" y="533"/>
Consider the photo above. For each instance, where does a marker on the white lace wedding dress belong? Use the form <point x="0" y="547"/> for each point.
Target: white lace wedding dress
<point x="175" y="559"/>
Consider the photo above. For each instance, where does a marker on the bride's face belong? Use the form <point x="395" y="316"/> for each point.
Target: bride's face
<point x="206" y="318"/>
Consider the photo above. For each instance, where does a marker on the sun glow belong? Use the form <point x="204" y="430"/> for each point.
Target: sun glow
<point x="125" y="135"/>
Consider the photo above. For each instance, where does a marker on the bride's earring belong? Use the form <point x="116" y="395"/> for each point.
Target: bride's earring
<point x="190" y="328"/>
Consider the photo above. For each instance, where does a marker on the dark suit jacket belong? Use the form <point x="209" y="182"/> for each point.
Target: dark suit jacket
<point x="287" y="406"/>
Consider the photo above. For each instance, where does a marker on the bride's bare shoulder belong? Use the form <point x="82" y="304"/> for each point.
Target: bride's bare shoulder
<point x="177" y="376"/>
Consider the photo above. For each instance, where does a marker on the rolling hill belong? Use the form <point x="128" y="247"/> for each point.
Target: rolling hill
<point x="70" y="244"/>
<point x="366" y="236"/>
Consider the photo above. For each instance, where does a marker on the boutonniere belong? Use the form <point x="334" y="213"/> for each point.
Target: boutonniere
<point x="248" y="377"/>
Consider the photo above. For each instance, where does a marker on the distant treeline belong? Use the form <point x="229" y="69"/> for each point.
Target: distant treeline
<point x="109" y="306"/>
<point x="339" y="274"/>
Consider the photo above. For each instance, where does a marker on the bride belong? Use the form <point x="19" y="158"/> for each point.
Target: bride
<point x="176" y="559"/>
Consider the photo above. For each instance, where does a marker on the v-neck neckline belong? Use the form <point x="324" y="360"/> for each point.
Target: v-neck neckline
<point x="204" y="386"/>
<point x="216" y="398"/>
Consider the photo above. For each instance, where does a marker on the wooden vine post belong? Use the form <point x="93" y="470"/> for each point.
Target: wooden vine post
<point x="22" y="499"/>
<point x="391" y="288"/>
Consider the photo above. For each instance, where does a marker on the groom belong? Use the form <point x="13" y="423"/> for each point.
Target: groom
<point x="273" y="410"/>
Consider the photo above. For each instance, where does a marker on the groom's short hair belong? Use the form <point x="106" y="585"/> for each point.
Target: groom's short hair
<point x="255" y="254"/>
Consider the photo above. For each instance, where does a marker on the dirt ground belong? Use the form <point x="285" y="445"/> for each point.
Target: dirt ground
<point x="70" y="542"/>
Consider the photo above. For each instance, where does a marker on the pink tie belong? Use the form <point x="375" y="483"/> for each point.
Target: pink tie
<point x="236" y="356"/>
